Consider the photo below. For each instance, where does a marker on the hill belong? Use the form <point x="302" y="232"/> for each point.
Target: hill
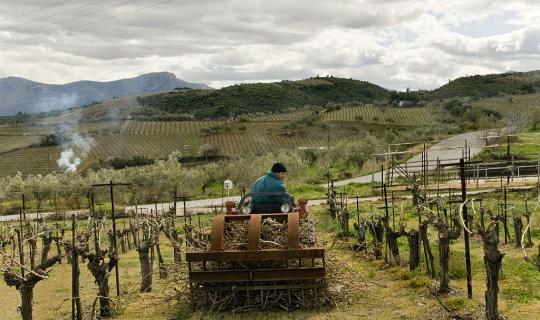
<point x="483" y="86"/>
<point x="274" y="97"/>
<point x="22" y="95"/>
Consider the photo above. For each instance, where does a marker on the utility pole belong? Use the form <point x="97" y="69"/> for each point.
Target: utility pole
<point x="111" y="186"/>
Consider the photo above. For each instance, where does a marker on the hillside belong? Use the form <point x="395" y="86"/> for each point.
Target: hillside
<point x="128" y="139"/>
<point x="482" y="86"/>
<point x="22" y="95"/>
<point x="274" y="97"/>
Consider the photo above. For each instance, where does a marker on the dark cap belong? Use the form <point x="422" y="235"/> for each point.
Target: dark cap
<point x="278" y="167"/>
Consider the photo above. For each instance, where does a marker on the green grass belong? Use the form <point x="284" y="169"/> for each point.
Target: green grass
<point x="525" y="145"/>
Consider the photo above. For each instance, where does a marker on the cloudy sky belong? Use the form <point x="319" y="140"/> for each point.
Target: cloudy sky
<point x="396" y="44"/>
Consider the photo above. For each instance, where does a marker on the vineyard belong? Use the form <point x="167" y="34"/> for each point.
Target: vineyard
<point x="394" y="257"/>
<point x="417" y="116"/>
<point x="34" y="160"/>
<point x="154" y="139"/>
<point x="10" y="142"/>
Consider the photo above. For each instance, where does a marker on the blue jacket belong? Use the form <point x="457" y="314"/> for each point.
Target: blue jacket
<point x="269" y="183"/>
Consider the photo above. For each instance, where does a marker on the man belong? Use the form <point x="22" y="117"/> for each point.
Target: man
<point x="271" y="182"/>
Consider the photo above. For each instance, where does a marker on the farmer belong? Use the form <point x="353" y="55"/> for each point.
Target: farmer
<point x="271" y="182"/>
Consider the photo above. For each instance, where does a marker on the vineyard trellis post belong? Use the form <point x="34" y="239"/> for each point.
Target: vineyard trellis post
<point x="76" y="309"/>
<point x="466" y="235"/>
<point x="505" y="222"/>
<point x="177" y="257"/>
<point x="528" y="217"/>
<point x="508" y="165"/>
<point x="111" y="186"/>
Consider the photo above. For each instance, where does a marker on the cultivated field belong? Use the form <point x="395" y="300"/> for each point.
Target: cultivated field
<point x="153" y="139"/>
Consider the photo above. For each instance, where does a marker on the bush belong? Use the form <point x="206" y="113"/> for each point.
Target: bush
<point x="119" y="163"/>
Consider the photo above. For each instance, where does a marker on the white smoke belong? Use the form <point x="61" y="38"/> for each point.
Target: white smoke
<point x="83" y="144"/>
<point x="55" y="102"/>
<point x="69" y="161"/>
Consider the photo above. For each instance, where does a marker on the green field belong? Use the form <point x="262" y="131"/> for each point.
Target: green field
<point x="523" y="146"/>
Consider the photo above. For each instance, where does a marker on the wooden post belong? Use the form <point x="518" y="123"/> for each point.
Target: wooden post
<point x="529" y="242"/>
<point x="466" y="234"/>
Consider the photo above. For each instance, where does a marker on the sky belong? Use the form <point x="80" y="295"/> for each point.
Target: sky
<point x="395" y="44"/>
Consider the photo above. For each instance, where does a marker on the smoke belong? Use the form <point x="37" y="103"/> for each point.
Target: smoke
<point x="84" y="144"/>
<point x="75" y="151"/>
<point x="68" y="161"/>
<point x="49" y="101"/>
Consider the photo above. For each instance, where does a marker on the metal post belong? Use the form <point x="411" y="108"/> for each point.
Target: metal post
<point x="21" y="251"/>
<point x="111" y="186"/>
<point x="23" y="206"/>
<point x="466" y="234"/>
<point x="117" y="275"/>
<point x="357" y="211"/>
<point x="393" y="212"/>
<point x="74" y="262"/>
<point x="373" y="170"/>
<point x="507" y="158"/>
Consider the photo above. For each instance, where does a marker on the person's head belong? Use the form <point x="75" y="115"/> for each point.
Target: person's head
<point x="279" y="169"/>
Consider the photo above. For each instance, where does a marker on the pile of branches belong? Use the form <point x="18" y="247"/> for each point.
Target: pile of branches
<point x="273" y="234"/>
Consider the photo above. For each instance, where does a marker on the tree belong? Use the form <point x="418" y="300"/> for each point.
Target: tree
<point x="535" y="118"/>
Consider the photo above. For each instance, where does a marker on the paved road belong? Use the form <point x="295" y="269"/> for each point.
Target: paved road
<point x="448" y="150"/>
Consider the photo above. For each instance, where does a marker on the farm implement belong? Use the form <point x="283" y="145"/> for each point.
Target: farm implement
<point x="266" y="261"/>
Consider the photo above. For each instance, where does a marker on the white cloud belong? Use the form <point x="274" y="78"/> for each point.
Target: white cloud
<point x="396" y="44"/>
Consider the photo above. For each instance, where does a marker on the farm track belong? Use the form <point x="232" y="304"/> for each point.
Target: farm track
<point x="447" y="151"/>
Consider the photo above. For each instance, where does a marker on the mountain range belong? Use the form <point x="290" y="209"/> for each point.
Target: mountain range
<point x="22" y="95"/>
